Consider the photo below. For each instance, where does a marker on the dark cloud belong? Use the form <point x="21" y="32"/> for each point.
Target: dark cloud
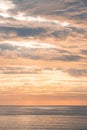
<point x="5" y="46"/>
<point x="72" y="58"/>
<point x="23" y="32"/>
<point x="78" y="30"/>
<point x="44" y="32"/>
<point x="71" y="3"/>
<point x="31" y="55"/>
<point x="74" y="32"/>
<point x="84" y="51"/>
<point x="36" y="55"/>
<point x="85" y="2"/>
<point x="77" y="72"/>
<point x="61" y="34"/>
<point x="68" y="58"/>
<point x="31" y="32"/>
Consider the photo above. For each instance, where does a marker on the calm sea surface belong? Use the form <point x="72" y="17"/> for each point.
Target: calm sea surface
<point x="43" y="118"/>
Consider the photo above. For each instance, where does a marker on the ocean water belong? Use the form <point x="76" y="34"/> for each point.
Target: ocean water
<point x="43" y="118"/>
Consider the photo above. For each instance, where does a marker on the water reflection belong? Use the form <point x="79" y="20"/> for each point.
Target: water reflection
<point x="39" y="122"/>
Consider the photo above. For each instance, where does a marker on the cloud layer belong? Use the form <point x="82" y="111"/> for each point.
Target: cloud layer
<point x="43" y="50"/>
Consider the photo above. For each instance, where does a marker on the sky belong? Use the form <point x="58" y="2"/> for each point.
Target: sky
<point x="43" y="52"/>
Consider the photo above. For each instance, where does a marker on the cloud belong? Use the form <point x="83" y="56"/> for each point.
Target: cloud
<point x="69" y="34"/>
<point x="84" y="52"/>
<point x="61" y="34"/>
<point x="23" y="32"/>
<point x="5" y="46"/>
<point x="61" y="10"/>
<point x="61" y="20"/>
<point x="78" y="72"/>
<point x="70" y="10"/>
<point x="85" y="2"/>
<point x="6" y="4"/>
<point x="38" y="51"/>
<point x="68" y="58"/>
<point x="20" y="70"/>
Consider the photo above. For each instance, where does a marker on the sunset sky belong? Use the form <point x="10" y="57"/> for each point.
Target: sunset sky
<point x="43" y="52"/>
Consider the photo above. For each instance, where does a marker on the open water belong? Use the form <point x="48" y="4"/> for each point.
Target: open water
<point x="43" y="118"/>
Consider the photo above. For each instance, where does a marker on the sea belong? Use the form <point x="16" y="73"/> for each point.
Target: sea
<point x="43" y="117"/>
